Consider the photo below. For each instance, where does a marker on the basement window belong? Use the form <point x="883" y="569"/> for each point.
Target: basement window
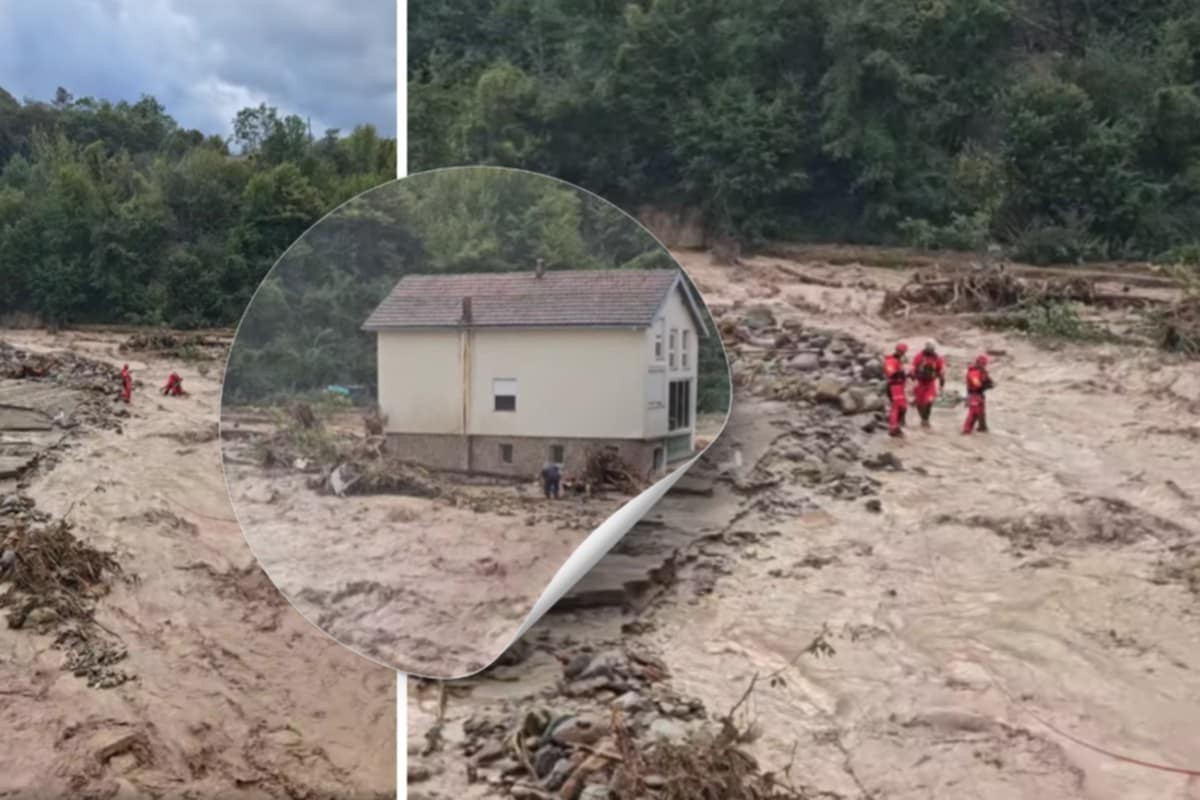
<point x="504" y="394"/>
<point x="557" y="453"/>
<point x="506" y="453"/>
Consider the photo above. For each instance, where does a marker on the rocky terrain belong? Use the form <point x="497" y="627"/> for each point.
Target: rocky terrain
<point x="820" y="611"/>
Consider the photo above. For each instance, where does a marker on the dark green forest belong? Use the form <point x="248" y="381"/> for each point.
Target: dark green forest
<point x="1063" y="130"/>
<point x="302" y="331"/>
<point x="111" y="212"/>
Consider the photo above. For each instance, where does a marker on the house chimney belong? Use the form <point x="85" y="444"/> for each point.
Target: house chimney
<point x="540" y="270"/>
<point x="466" y="311"/>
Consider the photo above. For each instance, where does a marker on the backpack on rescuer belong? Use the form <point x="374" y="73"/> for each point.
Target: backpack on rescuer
<point x="928" y="370"/>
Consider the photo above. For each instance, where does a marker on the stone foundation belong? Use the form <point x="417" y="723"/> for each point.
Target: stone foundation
<point x="483" y="454"/>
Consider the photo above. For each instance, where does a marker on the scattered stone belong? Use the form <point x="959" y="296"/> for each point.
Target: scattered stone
<point x="828" y="390"/>
<point x="668" y="730"/>
<point x="804" y="362"/>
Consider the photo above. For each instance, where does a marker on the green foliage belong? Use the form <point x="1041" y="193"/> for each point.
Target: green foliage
<point x="110" y="212"/>
<point x="1053" y="321"/>
<point x="302" y="330"/>
<point x="1067" y="129"/>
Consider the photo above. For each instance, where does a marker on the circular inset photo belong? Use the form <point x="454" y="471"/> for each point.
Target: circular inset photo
<point x="441" y="389"/>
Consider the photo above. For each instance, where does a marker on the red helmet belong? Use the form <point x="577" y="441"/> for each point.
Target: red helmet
<point x="902" y="348"/>
<point x="981" y="359"/>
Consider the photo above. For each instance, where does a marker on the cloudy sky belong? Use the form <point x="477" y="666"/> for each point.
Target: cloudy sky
<point x="331" y="60"/>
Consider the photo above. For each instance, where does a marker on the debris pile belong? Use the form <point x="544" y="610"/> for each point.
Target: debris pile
<point x="187" y="346"/>
<point x="606" y="470"/>
<point x="366" y="468"/>
<point x="52" y="581"/>
<point x="978" y="288"/>
<point x="98" y="381"/>
<point x="374" y="422"/>
<point x="1177" y="328"/>
<point x="611" y="728"/>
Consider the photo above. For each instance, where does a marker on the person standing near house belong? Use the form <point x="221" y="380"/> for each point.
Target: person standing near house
<point x="551" y="479"/>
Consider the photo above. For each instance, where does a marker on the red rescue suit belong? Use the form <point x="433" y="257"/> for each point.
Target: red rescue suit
<point x="897" y="378"/>
<point x="126" y="383"/>
<point x="174" y="385"/>
<point x="929" y="372"/>
<point x="978" y="382"/>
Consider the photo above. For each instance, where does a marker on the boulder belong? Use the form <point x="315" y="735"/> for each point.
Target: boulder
<point x="828" y="390"/>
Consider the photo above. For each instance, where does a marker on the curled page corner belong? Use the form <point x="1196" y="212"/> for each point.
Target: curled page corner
<point x="595" y="547"/>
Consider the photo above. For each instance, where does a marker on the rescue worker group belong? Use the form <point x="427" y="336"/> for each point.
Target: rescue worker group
<point x="173" y="387"/>
<point x="928" y="375"/>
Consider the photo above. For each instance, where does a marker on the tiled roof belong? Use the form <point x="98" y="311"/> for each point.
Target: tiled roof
<point x="560" y="298"/>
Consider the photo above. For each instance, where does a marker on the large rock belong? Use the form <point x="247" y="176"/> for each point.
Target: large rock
<point x="828" y="390"/>
<point x="851" y="401"/>
<point x="804" y="362"/>
<point x="758" y="318"/>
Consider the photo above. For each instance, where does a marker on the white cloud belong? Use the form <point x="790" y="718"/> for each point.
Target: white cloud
<point x="331" y="61"/>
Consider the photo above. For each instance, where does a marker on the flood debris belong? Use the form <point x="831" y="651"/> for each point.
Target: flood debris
<point x="94" y="384"/>
<point x="613" y="728"/>
<point x="978" y="288"/>
<point x="1177" y="327"/>
<point x="52" y="581"/>
<point x="186" y="346"/>
<point x="366" y="470"/>
<point x="605" y="470"/>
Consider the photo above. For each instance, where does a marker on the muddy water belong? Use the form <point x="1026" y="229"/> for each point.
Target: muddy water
<point x="953" y="654"/>
<point x="234" y="694"/>
<point x="417" y="583"/>
<point x="1007" y="603"/>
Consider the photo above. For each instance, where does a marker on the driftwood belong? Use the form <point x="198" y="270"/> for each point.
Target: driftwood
<point x="606" y="469"/>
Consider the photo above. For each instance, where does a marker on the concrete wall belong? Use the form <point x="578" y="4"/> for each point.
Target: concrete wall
<point x="529" y="454"/>
<point x="577" y="383"/>
<point x="420" y="381"/>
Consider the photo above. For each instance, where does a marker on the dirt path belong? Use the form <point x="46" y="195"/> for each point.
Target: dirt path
<point x="232" y="692"/>
<point x="1008" y="583"/>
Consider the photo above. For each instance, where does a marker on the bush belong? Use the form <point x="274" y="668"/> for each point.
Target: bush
<point x="1057" y="244"/>
<point x="1053" y="320"/>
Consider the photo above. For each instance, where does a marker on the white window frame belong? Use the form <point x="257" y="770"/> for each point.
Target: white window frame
<point x="499" y="389"/>
<point x="671" y="347"/>
<point x="683" y="348"/>
<point x="659" y="344"/>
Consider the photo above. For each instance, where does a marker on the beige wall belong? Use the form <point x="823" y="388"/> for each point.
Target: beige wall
<point x="674" y="316"/>
<point x="420" y="381"/>
<point x="577" y="383"/>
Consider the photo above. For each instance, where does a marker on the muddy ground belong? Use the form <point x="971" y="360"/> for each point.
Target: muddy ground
<point x="432" y="585"/>
<point x="181" y="672"/>
<point x="1000" y="616"/>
